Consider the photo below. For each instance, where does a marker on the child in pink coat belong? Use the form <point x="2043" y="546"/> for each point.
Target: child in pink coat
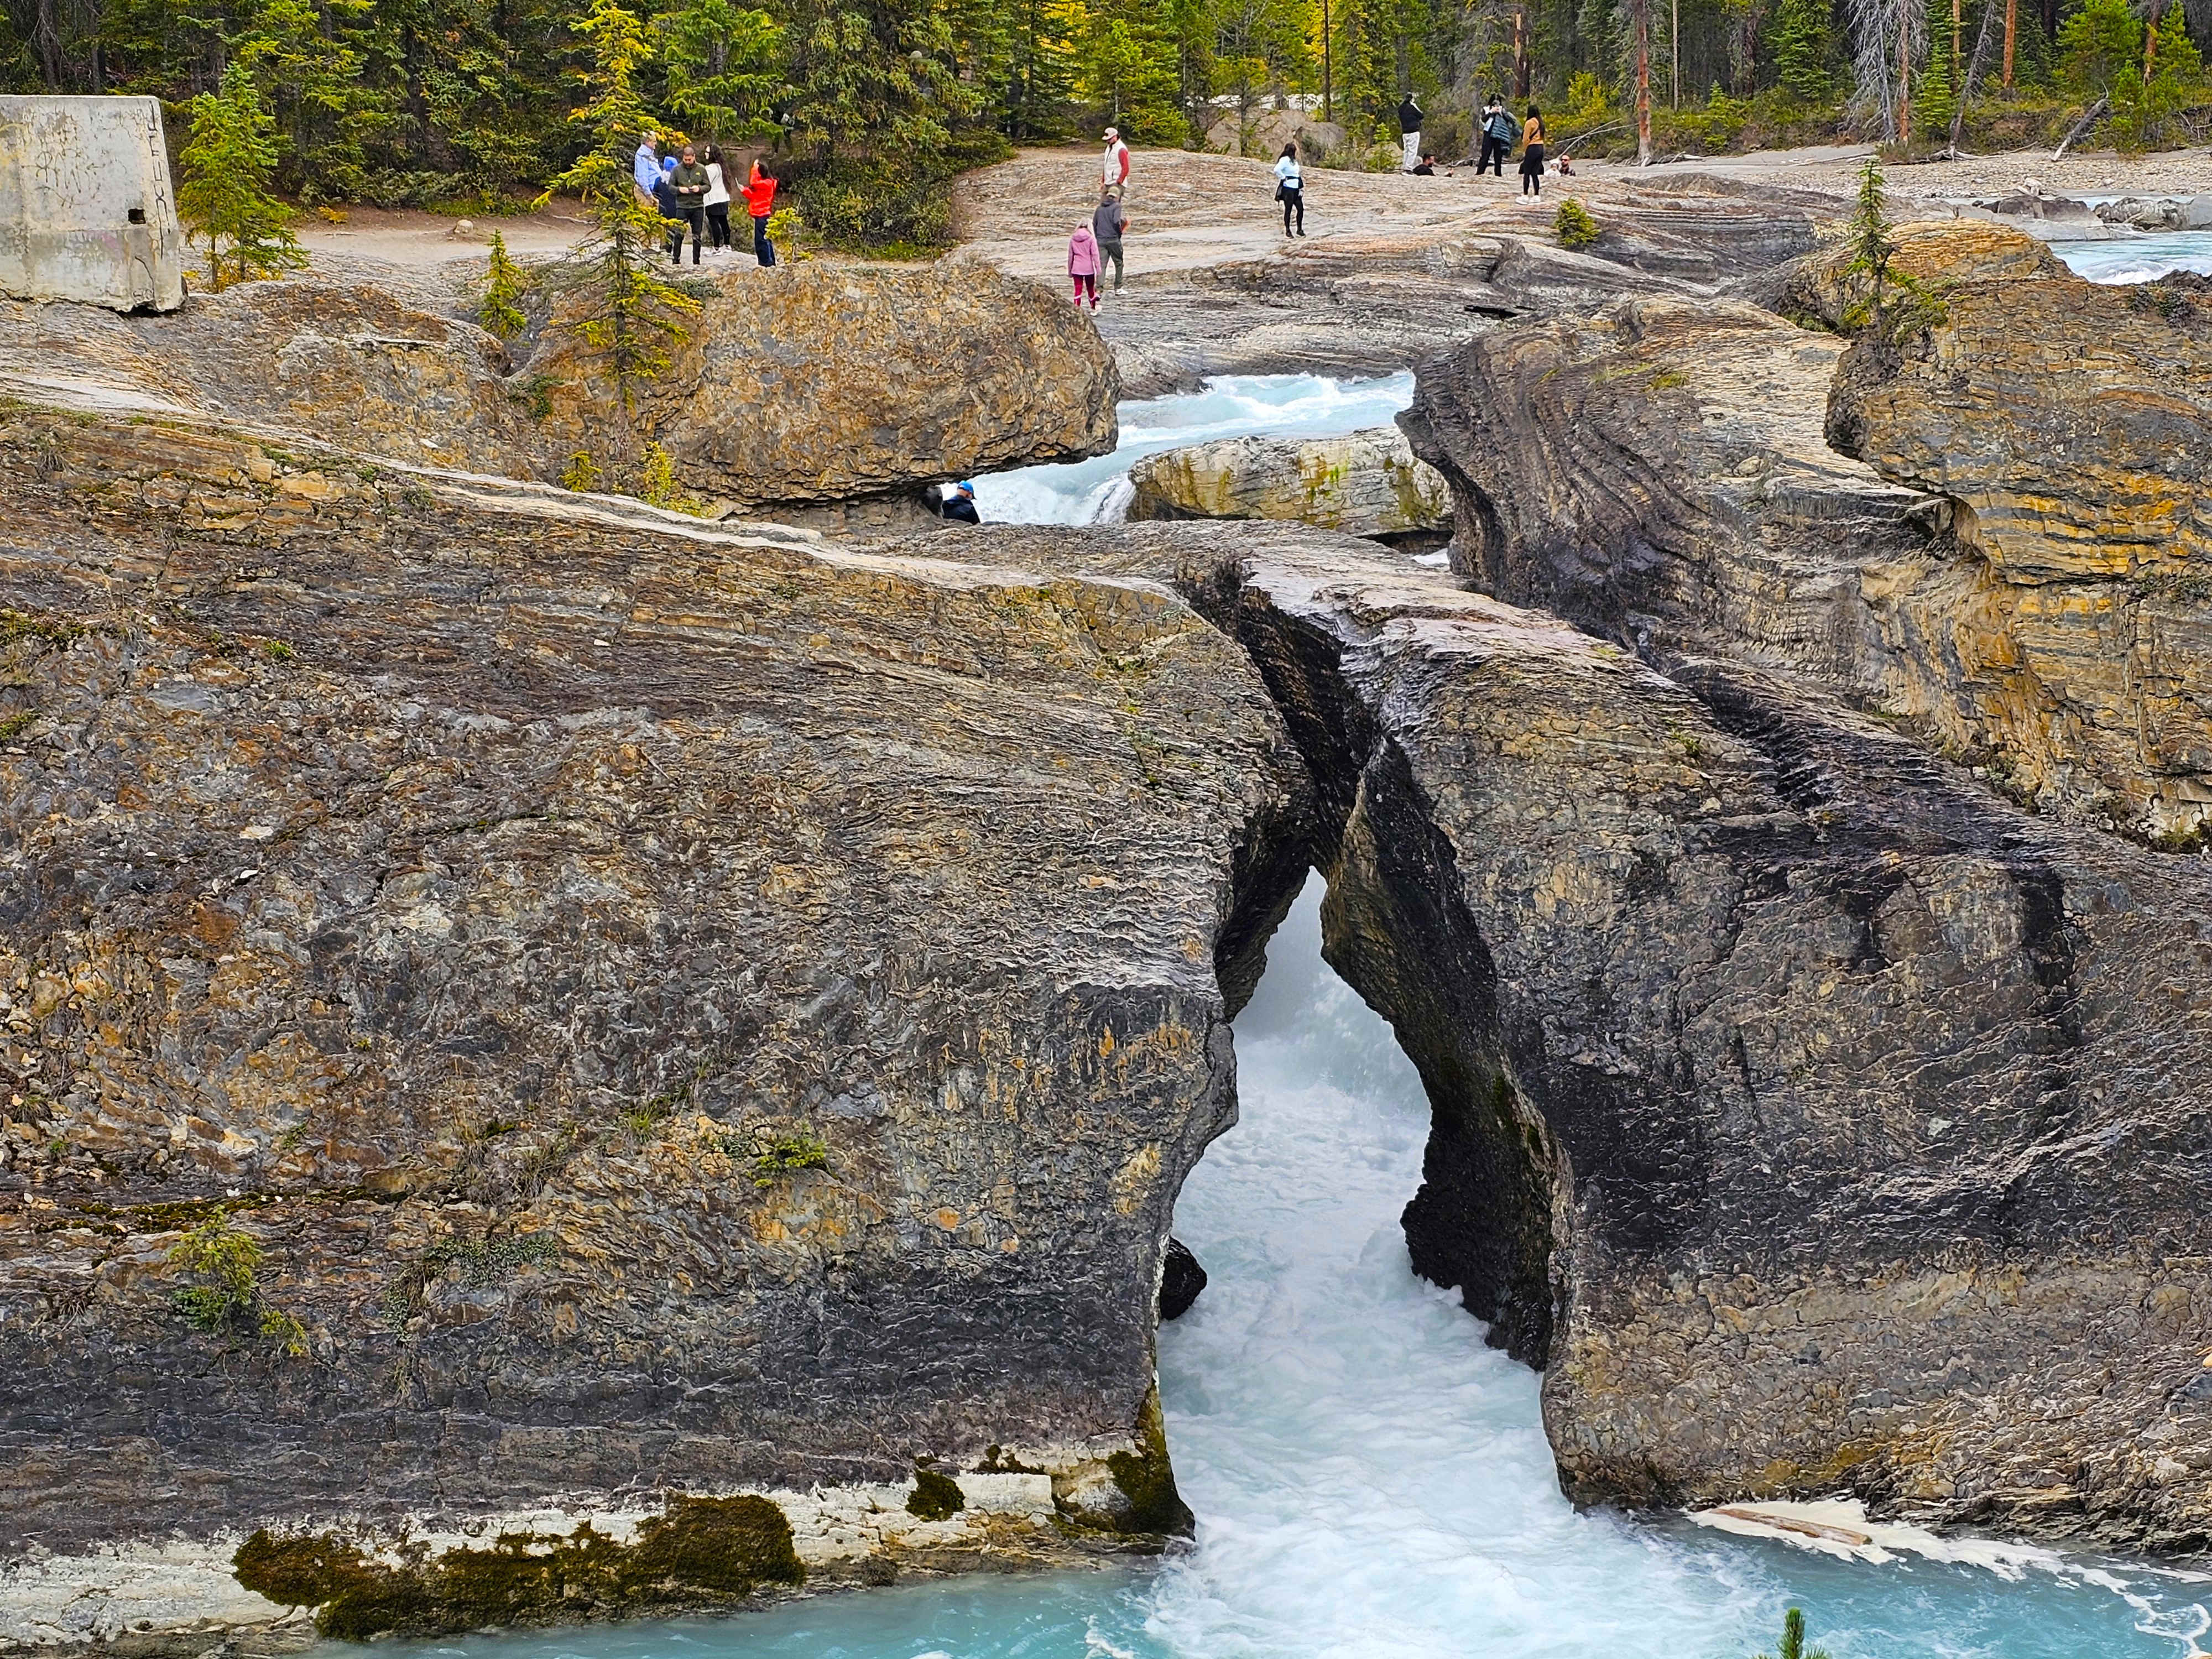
<point x="1083" y="265"/>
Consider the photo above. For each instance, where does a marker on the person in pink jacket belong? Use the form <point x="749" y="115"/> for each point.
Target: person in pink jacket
<point x="1083" y="265"/>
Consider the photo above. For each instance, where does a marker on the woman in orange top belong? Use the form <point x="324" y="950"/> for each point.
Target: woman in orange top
<point x="760" y="196"/>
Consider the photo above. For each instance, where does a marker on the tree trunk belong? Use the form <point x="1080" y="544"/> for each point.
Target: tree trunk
<point x="2012" y="28"/>
<point x="1642" y="19"/>
<point x="2150" y="39"/>
<point x="1904" y="79"/>
<point x="1957" y="41"/>
<point x="1675" y="58"/>
<point x="1326" y="114"/>
<point x="2080" y="127"/>
<point x="1520" y="75"/>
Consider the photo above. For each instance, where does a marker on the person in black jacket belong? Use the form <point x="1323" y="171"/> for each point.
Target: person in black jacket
<point x="960" y="505"/>
<point x="1409" y="125"/>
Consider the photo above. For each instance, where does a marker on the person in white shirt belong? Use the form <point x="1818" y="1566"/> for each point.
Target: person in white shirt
<point x="717" y="199"/>
<point x="1114" y="165"/>
<point x="1291" y="188"/>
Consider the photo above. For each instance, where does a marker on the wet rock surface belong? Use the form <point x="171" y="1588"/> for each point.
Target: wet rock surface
<point x="1366" y="483"/>
<point x="1182" y="1280"/>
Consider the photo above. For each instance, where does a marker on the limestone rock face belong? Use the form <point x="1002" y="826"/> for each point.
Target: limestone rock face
<point x="1366" y="483"/>
<point x="810" y="383"/>
<point x="1661" y="471"/>
<point x="671" y="1011"/>
<point x="1814" y="1116"/>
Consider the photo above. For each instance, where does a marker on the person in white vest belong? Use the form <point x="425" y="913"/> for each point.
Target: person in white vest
<point x="1114" y="165"/>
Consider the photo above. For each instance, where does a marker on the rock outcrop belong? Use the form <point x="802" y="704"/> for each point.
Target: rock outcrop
<point x="1821" y="287"/>
<point x="1815" y="1117"/>
<point x="1365" y="483"/>
<point x="1662" y="471"/>
<point x="521" y="1015"/>
<point x="808" y="384"/>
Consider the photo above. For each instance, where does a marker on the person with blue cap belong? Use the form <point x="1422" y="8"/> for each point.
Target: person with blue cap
<point x="960" y="505"/>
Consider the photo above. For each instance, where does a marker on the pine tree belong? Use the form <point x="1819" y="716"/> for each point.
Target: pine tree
<point x="1936" y="89"/>
<point x="1792" y="1639"/>
<point x="1870" y="244"/>
<point x="633" y="312"/>
<point x="227" y="165"/>
<point x="724" y="65"/>
<point x="1801" y="49"/>
<point x="1128" y="60"/>
<point x="500" y="309"/>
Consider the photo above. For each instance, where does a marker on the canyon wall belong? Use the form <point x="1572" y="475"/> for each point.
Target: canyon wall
<point x="523" y="1017"/>
<point x="1997" y="551"/>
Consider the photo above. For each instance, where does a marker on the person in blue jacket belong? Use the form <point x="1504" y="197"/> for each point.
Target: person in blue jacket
<point x="645" y="165"/>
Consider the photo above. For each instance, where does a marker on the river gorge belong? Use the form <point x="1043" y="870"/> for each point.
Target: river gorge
<point x="574" y="1063"/>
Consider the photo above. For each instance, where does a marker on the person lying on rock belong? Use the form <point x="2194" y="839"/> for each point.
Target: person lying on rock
<point x="1425" y="167"/>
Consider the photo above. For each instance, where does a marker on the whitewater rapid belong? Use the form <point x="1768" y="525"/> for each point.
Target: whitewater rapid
<point x="1371" y="1481"/>
<point x="1096" y="491"/>
<point x="2139" y="259"/>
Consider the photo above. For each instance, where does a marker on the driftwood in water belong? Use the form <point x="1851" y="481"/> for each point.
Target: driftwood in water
<point x="2081" y="127"/>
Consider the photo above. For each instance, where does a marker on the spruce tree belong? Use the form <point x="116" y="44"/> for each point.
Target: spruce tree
<point x="500" y="309"/>
<point x="226" y="164"/>
<point x="723" y="62"/>
<point x="631" y="313"/>
<point x="1801" y="49"/>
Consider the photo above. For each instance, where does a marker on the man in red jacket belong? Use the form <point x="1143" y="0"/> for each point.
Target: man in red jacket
<point x="760" y="196"/>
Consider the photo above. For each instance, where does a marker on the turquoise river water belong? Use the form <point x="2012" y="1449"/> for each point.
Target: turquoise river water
<point x="1372" y="1482"/>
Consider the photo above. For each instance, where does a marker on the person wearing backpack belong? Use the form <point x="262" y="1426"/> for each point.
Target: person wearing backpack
<point x="1499" y="130"/>
<point x="1108" y="224"/>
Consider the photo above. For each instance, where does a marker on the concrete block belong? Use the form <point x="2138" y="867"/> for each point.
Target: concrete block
<point x="87" y="212"/>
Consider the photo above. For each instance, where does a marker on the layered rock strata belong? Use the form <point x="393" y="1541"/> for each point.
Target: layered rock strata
<point x="2012" y="572"/>
<point x="1365" y="483"/>
<point x="808" y="385"/>
<point x="1813" y="1115"/>
<point x="524" y="1019"/>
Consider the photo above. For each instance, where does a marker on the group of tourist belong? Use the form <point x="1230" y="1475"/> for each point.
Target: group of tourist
<point x="692" y="186"/>
<point x="1500" y="132"/>
<point x="1098" y="243"/>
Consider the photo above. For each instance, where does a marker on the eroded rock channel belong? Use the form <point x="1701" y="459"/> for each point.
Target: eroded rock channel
<point x="562" y="1060"/>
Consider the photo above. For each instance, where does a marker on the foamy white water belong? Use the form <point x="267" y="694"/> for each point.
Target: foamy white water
<point x="1372" y="1482"/>
<point x="1096" y="491"/>
<point x="2139" y="259"/>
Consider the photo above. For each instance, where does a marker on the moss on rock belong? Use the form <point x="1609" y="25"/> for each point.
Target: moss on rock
<point x="1146" y="1478"/>
<point x="701" y="1551"/>
<point x="935" y="1497"/>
